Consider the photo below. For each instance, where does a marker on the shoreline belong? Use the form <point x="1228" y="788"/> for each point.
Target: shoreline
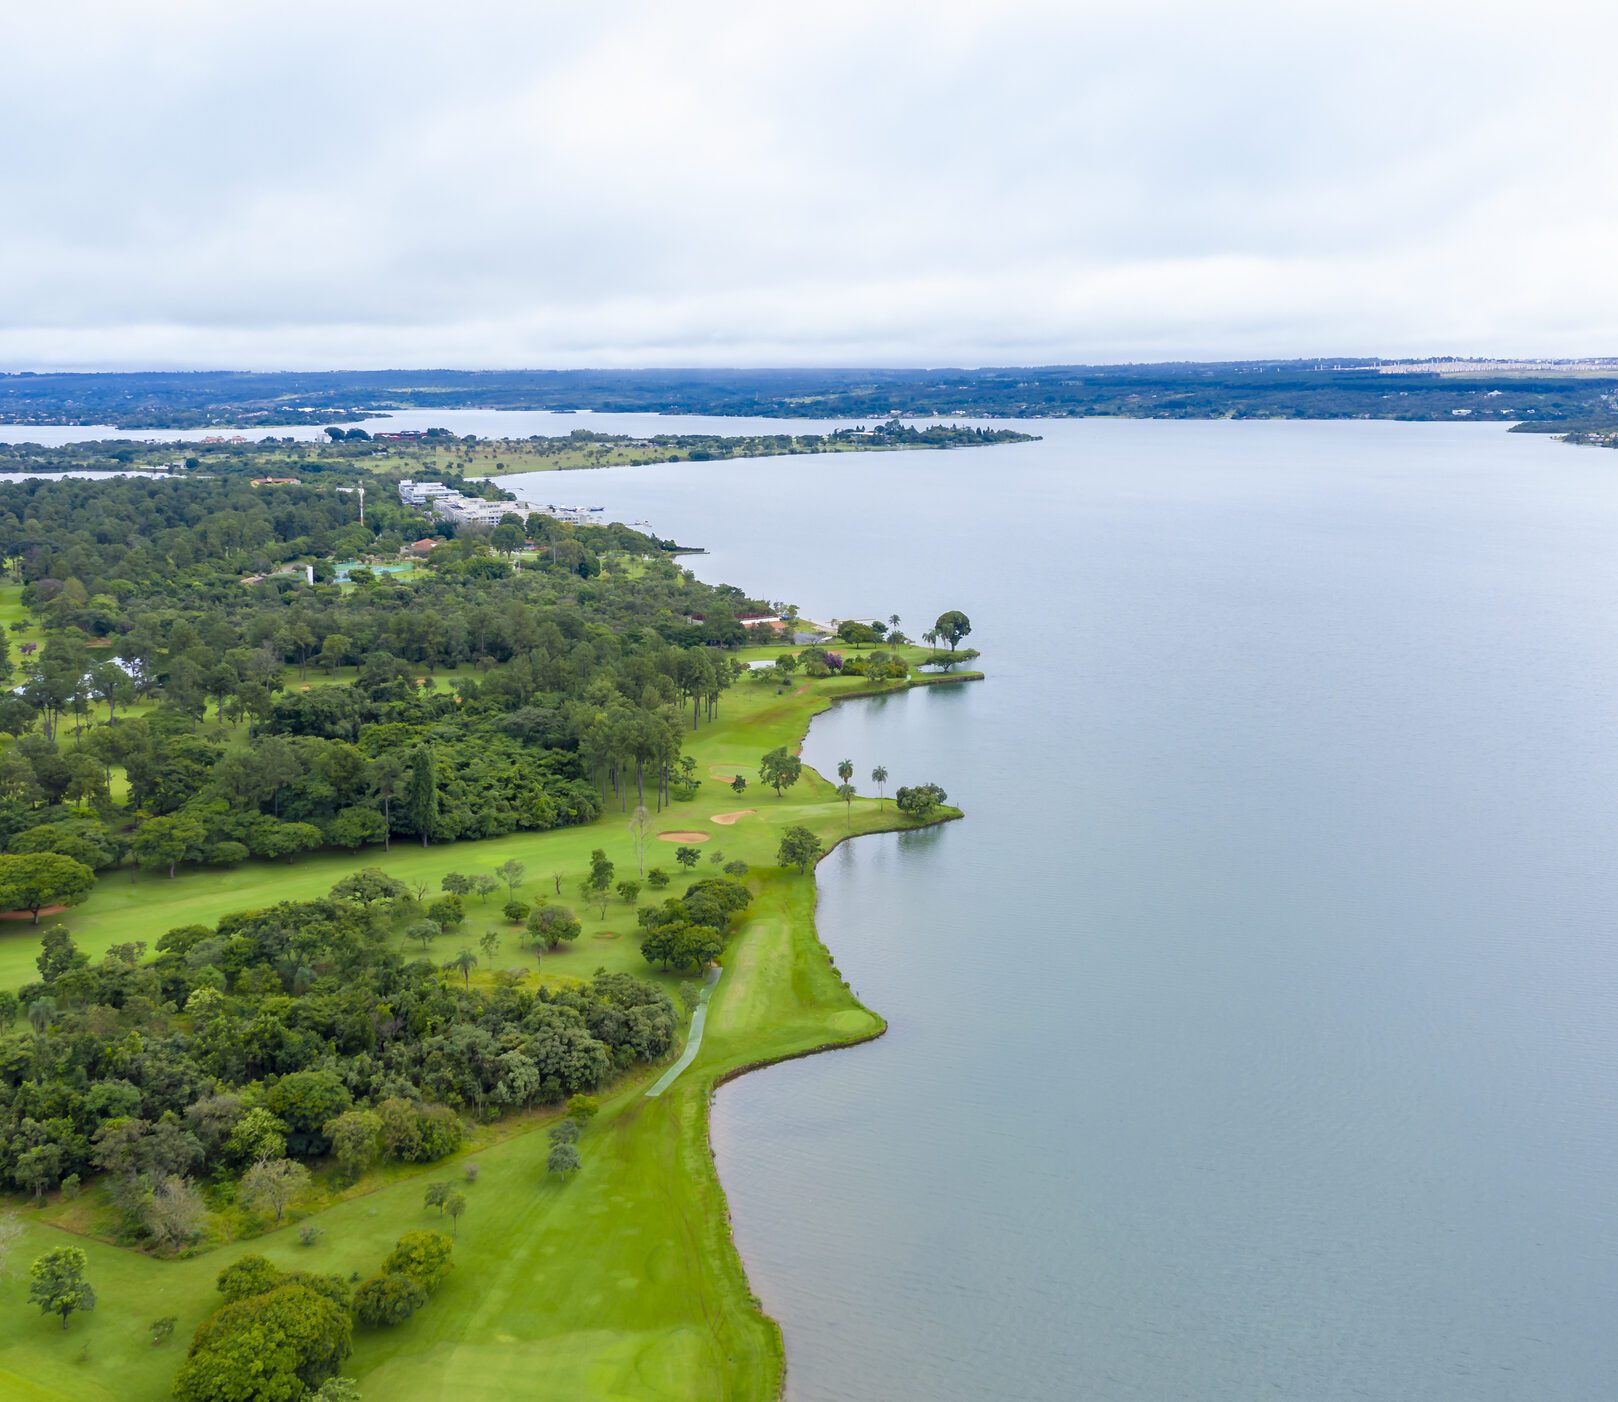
<point x="729" y="1074"/>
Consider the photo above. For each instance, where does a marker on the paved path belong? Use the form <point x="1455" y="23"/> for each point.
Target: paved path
<point x="693" y="1043"/>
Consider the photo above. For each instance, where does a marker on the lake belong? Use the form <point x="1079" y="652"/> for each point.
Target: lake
<point x="483" y="423"/>
<point x="1256" y="1033"/>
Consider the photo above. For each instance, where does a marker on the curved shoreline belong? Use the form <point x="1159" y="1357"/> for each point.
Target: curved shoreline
<point x="835" y="1044"/>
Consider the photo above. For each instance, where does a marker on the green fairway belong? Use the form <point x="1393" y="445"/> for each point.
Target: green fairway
<point x="620" y="1284"/>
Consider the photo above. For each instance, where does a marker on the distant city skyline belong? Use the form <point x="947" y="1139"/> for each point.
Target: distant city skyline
<point x="295" y="186"/>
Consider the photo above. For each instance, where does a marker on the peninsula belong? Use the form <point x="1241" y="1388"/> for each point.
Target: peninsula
<point x="352" y="916"/>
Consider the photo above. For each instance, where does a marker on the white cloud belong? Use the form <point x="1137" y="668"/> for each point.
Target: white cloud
<point x="300" y="185"/>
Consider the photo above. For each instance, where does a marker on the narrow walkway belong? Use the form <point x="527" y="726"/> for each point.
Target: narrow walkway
<point x="693" y="1043"/>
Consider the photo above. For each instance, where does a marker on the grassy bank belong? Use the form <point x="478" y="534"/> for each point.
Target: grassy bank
<point x="622" y="1283"/>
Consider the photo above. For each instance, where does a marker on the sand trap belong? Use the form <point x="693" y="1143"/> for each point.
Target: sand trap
<point x="726" y="819"/>
<point x="28" y="915"/>
<point x="605" y="935"/>
<point x="682" y="837"/>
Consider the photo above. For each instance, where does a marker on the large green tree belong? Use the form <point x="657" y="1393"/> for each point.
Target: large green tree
<point x="952" y="626"/>
<point x="275" y="1347"/>
<point x="799" y="847"/>
<point x="57" y="1284"/>
<point x="780" y="769"/>
<point x="38" y="879"/>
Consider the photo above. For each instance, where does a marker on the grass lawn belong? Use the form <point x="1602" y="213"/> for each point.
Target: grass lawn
<point x="620" y="1284"/>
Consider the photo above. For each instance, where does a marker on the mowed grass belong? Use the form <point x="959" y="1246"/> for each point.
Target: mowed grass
<point x="622" y="1284"/>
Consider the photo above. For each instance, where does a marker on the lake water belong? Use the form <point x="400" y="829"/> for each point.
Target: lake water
<point x="1256" y="1034"/>
<point x="484" y="423"/>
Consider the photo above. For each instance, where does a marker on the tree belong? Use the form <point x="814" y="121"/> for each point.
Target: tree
<point x="422" y="802"/>
<point x="424" y="930"/>
<point x="738" y="785"/>
<point x="879" y="777"/>
<point x="952" y="627"/>
<point x="921" y="802"/>
<point x="166" y="841"/>
<point x="38" y="879"/>
<point x="386" y="776"/>
<point x="273" y="1184"/>
<point x="356" y="827"/>
<point x="780" y="770"/>
<point x="356" y="1140"/>
<point x="563" y="1160"/>
<point x="554" y="925"/>
<point x="58" y="955"/>
<point x="369" y="885"/>
<point x="455" y="1205"/>
<point x="455" y="883"/>
<point x="423" y="1256"/>
<point x="437" y="1194"/>
<point x="387" y="1300"/>
<point x="485" y="885"/>
<point x="57" y="1284"/>
<point x="448" y="912"/>
<point x="489" y="943"/>
<point x="799" y="847"/>
<point x="846" y="793"/>
<point x="305" y="1100"/>
<point x="257" y="1136"/>
<point x="512" y="873"/>
<point x="640" y="823"/>
<point x="583" y="1108"/>
<point x="10" y="1233"/>
<point x="687" y="856"/>
<point x="173" y="1213"/>
<point x="465" y="961"/>
<point x="282" y="1344"/>
<point x="516" y="911"/>
<point x="845" y="770"/>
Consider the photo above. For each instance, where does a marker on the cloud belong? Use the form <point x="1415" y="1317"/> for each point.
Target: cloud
<point x="302" y="185"/>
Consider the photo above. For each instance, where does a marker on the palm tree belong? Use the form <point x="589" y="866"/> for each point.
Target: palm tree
<point x="465" y="961"/>
<point x="879" y="777"/>
<point x="846" y="793"/>
<point x="845" y="770"/>
<point x="41" y="1013"/>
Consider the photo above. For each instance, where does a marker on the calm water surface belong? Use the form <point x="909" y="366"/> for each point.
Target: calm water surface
<point x="1256" y="1034"/>
<point x="484" y="423"/>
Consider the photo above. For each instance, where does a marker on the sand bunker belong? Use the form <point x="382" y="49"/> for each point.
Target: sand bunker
<point x="726" y="819"/>
<point x="682" y="837"/>
<point x="28" y="915"/>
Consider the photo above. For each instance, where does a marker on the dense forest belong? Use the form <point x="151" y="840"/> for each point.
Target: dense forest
<point x="296" y="1033"/>
<point x="163" y="610"/>
<point x="1340" y="388"/>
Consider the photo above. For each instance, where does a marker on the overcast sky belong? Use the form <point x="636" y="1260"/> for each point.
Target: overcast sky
<point x="288" y="185"/>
